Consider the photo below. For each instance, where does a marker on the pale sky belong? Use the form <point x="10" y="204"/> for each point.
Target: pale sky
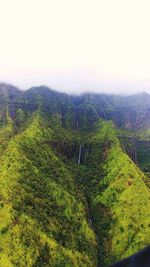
<point x="76" y="45"/>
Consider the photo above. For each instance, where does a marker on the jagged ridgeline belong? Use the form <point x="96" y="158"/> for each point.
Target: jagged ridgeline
<point x="74" y="186"/>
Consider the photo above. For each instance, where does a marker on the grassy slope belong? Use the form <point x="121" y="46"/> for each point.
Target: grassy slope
<point x="43" y="220"/>
<point x="119" y="198"/>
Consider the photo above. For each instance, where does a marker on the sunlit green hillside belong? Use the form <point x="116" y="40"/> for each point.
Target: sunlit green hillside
<point x="71" y="192"/>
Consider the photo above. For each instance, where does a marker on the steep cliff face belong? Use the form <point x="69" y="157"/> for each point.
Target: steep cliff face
<point x="69" y="193"/>
<point x="116" y="197"/>
<point x="138" y="149"/>
<point x="79" y="112"/>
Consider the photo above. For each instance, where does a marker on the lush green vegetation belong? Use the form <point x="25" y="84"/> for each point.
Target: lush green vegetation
<point x="41" y="208"/>
<point x="53" y="211"/>
<point x="118" y="197"/>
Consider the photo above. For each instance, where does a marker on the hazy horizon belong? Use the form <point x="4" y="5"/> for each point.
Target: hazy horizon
<point x="99" y="46"/>
<point x="73" y="93"/>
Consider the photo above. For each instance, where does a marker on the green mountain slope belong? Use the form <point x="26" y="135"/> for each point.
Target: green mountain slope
<point x="41" y="208"/>
<point x="70" y="195"/>
<point x="118" y="197"/>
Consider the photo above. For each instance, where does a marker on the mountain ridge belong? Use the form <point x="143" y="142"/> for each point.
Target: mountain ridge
<point x="71" y="193"/>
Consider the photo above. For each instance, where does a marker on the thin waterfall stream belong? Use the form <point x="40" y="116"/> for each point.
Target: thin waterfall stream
<point x="79" y="158"/>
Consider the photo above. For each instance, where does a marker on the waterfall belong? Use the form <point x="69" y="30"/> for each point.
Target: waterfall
<point x="90" y="221"/>
<point x="79" y="158"/>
